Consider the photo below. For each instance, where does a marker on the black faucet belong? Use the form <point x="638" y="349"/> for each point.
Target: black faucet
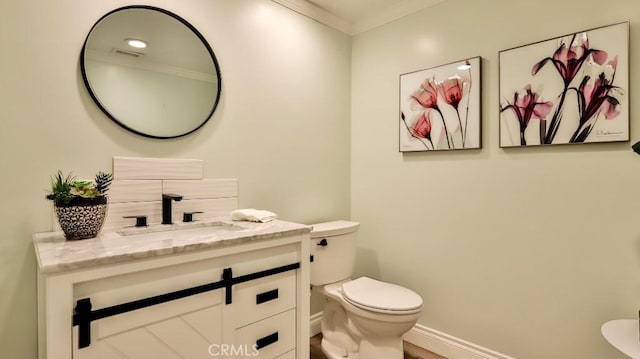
<point x="166" y="206"/>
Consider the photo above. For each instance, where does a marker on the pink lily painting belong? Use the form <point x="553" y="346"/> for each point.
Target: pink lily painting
<point x="567" y="90"/>
<point x="440" y="107"/>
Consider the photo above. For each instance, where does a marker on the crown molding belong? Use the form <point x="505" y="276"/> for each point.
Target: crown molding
<point x="307" y="9"/>
<point x="392" y="13"/>
<point x="389" y="14"/>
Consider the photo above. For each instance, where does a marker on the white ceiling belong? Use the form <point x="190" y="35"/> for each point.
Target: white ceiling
<point x="356" y="16"/>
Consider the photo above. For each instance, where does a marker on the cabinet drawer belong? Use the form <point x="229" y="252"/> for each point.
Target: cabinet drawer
<point x="264" y="297"/>
<point x="273" y="336"/>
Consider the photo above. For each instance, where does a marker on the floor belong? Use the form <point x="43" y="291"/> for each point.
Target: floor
<point x="410" y="351"/>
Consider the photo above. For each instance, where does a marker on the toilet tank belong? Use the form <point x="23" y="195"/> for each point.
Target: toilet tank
<point x="333" y="247"/>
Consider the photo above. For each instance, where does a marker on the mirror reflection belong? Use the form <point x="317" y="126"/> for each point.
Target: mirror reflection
<point x="151" y="72"/>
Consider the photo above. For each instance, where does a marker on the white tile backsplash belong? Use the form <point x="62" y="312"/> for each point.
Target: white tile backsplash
<point x="135" y="191"/>
<point x="201" y="189"/>
<point x="117" y="211"/>
<point x="210" y="207"/>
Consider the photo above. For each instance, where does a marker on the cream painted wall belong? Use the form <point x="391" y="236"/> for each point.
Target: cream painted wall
<point x="282" y="127"/>
<point x="523" y="251"/>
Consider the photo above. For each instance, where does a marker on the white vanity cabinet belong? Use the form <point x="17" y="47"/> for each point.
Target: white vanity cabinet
<point x="240" y="297"/>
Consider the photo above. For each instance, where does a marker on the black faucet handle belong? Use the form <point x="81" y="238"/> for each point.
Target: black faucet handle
<point x="141" y="221"/>
<point x="188" y="216"/>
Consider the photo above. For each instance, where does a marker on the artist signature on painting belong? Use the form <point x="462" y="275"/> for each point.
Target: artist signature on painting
<point x="605" y="133"/>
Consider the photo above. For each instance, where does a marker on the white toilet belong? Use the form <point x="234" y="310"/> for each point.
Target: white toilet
<point x="363" y="318"/>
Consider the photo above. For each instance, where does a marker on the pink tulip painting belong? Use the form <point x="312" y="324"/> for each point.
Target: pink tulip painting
<point x="440" y="107"/>
<point x="571" y="89"/>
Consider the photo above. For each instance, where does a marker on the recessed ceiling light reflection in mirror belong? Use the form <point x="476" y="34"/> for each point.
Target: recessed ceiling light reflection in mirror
<point x="137" y="43"/>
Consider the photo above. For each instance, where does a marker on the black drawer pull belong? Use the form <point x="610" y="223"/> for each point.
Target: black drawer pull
<point x="267" y="296"/>
<point x="268" y="340"/>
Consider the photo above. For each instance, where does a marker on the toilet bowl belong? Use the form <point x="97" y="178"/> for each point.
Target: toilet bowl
<point x="363" y="317"/>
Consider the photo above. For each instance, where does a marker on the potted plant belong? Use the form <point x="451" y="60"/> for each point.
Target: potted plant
<point x="80" y="206"/>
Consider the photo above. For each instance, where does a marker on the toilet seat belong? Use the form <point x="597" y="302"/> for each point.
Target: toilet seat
<point x="382" y="297"/>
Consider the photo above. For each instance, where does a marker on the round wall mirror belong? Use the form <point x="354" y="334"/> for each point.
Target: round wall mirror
<point x="151" y="71"/>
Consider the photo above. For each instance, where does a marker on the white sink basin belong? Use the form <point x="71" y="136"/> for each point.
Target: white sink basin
<point x="623" y="334"/>
<point x="180" y="230"/>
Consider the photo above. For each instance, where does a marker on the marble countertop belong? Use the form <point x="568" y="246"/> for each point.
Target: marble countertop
<point x="56" y="254"/>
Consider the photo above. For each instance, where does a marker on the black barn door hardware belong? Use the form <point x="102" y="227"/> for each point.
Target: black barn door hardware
<point x="84" y="315"/>
<point x="257" y="275"/>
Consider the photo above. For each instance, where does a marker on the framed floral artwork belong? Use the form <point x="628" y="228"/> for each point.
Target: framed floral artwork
<point x="566" y="90"/>
<point x="440" y="107"/>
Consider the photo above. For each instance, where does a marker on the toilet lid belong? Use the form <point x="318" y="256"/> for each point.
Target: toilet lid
<point x="371" y="293"/>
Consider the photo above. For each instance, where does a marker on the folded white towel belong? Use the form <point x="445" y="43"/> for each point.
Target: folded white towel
<point x="253" y="215"/>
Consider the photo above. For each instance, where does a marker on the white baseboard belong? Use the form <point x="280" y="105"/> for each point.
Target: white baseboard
<point x="315" y="327"/>
<point x="434" y="341"/>
<point x="449" y="346"/>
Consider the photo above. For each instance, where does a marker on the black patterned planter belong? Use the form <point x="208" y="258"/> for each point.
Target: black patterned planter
<point x="82" y="218"/>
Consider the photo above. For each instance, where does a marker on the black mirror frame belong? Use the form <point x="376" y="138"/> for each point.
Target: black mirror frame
<point x="190" y="27"/>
